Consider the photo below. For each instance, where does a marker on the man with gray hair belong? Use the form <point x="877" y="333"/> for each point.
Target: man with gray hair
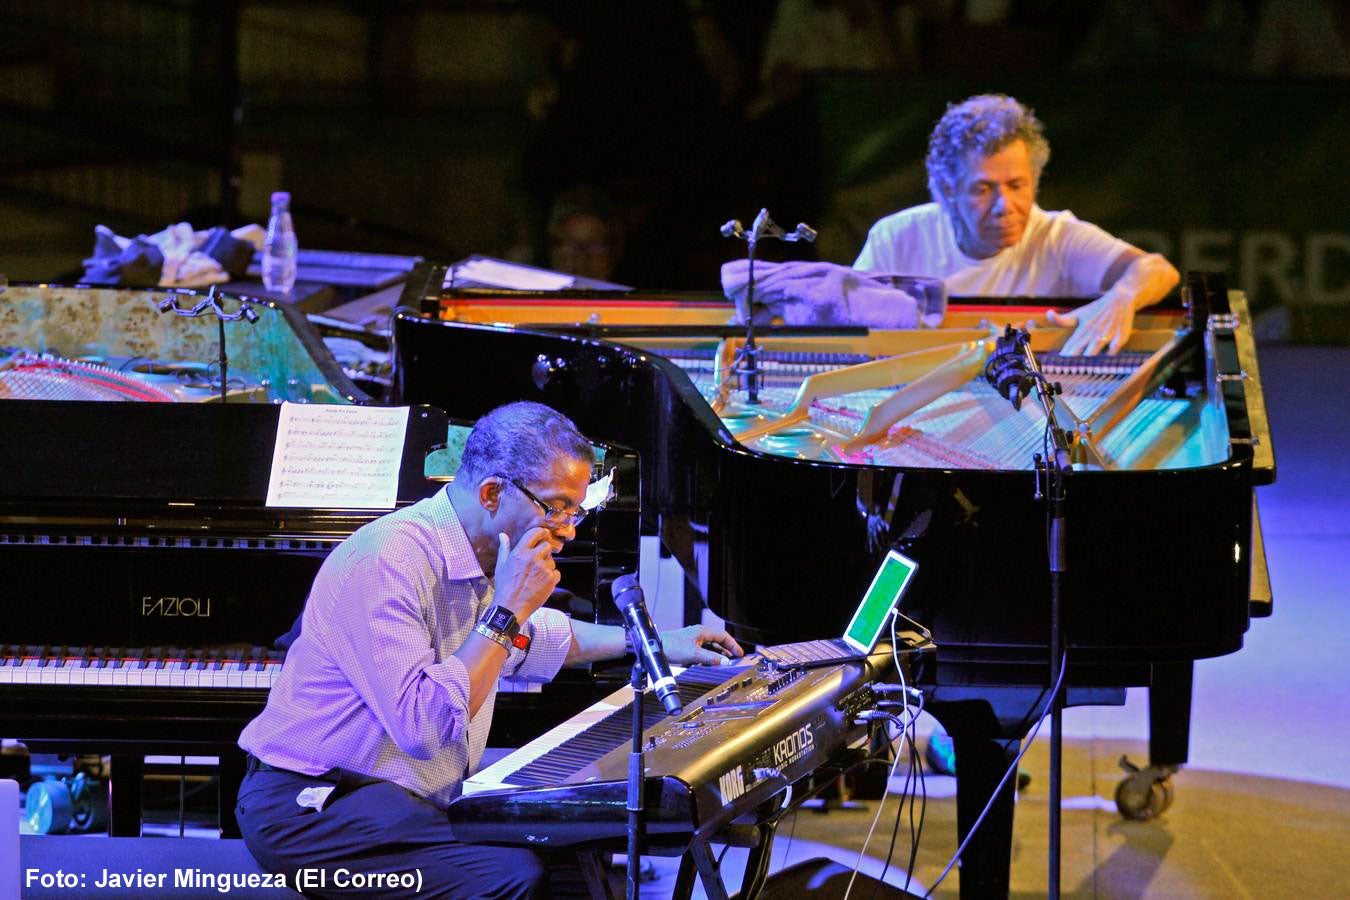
<point x="385" y="700"/>
<point x="984" y="235"/>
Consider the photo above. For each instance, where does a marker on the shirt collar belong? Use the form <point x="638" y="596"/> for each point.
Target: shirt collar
<point x="461" y="563"/>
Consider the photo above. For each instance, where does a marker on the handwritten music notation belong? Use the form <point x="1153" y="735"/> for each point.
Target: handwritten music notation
<point x="334" y="456"/>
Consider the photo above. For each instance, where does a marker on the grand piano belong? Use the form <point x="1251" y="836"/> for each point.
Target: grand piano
<point x="147" y="587"/>
<point x="778" y="510"/>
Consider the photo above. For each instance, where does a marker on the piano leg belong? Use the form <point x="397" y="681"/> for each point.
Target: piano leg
<point x="1147" y="793"/>
<point x="124" y="795"/>
<point x="230" y="774"/>
<point x="980" y="763"/>
<point x="1169" y="714"/>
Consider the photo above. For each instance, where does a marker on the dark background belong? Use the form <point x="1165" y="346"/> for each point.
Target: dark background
<point x="1212" y="131"/>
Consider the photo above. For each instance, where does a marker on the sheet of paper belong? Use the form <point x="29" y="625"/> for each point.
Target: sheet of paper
<point x="335" y="456"/>
<point x="496" y="273"/>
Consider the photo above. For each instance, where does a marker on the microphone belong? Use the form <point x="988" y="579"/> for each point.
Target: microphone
<point x="647" y="643"/>
<point x="1007" y="369"/>
<point x="762" y="224"/>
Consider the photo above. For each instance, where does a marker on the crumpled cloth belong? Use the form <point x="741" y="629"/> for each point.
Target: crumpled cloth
<point x="817" y="293"/>
<point x="178" y="256"/>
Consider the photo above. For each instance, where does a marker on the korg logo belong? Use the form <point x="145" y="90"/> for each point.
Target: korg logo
<point x="731" y="784"/>
<point x="196" y="607"/>
<point x="794" y="746"/>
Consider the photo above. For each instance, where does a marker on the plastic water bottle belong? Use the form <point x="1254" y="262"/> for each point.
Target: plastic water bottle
<point x="279" y="248"/>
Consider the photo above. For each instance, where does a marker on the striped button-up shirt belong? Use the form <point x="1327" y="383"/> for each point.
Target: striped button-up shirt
<point x="371" y="685"/>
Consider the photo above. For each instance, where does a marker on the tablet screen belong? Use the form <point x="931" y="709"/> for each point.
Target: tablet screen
<point x="887" y="586"/>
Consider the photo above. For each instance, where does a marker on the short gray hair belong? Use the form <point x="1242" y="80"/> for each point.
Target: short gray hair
<point x="984" y="124"/>
<point x="522" y="441"/>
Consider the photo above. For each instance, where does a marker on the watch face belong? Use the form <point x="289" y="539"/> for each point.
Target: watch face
<point x="499" y="618"/>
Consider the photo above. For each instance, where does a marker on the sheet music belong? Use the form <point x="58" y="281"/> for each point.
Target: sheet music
<point x="332" y="455"/>
<point x="500" y="273"/>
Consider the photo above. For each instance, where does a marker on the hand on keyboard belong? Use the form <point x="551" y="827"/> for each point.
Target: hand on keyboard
<point x="700" y="645"/>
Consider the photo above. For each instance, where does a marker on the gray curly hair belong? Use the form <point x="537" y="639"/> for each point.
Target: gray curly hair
<point x="985" y="123"/>
<point x="521" y="440"/>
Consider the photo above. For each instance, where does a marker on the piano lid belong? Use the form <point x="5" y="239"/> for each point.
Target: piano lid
<point x="110" y="393"/>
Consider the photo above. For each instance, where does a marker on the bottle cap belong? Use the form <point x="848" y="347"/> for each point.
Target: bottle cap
<point x="281" y="197"/>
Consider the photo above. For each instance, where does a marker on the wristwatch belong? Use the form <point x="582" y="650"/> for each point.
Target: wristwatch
<point x="501" y="621"/>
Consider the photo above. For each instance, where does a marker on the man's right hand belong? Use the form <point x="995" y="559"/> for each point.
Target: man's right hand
<point x="526" y="574"/>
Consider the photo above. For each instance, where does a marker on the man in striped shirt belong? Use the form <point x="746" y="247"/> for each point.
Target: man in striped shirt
<point x="385" y="701"/>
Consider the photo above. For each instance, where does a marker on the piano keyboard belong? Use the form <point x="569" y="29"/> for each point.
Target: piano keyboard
<point x="589" y="735"/>
<point x="138" y="667"/>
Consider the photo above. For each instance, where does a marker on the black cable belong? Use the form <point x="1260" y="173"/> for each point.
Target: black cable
<point x="791" y="831"/>
<point x="899" y="814"/>
<point x="916" y="835"/>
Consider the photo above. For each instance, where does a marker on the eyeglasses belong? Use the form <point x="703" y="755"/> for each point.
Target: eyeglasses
<point x="557" y="517"/>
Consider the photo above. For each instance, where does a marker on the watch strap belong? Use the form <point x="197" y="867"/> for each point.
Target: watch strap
<point x="501" y="640"/>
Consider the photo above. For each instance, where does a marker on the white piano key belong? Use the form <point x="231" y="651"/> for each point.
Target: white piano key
<point x="498" y="774"/>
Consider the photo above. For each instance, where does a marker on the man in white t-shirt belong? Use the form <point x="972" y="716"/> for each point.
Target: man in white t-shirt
<point x="984" y="235"/>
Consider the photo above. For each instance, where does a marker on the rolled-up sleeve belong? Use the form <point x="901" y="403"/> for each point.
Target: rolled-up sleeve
<point x="550" y="633"/>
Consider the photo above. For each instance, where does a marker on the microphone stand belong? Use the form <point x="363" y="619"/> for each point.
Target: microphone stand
<point x="1055" y="472"/>
<point x="637" y="769"/>
<point x="747" y="361"/>
<point x="212" y="305"/>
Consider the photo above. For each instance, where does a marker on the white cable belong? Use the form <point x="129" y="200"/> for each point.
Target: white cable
<point x="905" y="721"/>
<point x="884" y="794"/>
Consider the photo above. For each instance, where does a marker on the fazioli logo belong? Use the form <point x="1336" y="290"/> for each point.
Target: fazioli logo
<point x="196" y="607"/>
<point x="794" y="746"/>
<point x="731" y="784"/>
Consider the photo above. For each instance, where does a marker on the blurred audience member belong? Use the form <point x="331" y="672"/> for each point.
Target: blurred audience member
<point x="834" y="36"/>
<point x="1166" y="37"/>
<point x="584" y="236"/>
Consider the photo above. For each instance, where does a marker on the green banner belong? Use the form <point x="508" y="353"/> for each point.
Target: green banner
<point x="1248" y="178"/>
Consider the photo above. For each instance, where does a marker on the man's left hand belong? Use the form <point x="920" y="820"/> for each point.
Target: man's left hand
<point x="1104" y="324"/>
<point x="700" y="645"/>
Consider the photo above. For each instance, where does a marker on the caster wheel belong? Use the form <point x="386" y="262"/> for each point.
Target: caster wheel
<point x="1142" y="796"/>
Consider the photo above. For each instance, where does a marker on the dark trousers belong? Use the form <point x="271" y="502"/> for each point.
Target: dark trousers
<point x="375" y="831"/>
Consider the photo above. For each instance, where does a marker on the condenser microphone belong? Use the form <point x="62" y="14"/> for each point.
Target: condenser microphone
<point x="1007" y="367"/>
<point x="646" y="642"/>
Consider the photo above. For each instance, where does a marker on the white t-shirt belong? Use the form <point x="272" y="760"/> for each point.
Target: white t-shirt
<point x="1058" y="255"/>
